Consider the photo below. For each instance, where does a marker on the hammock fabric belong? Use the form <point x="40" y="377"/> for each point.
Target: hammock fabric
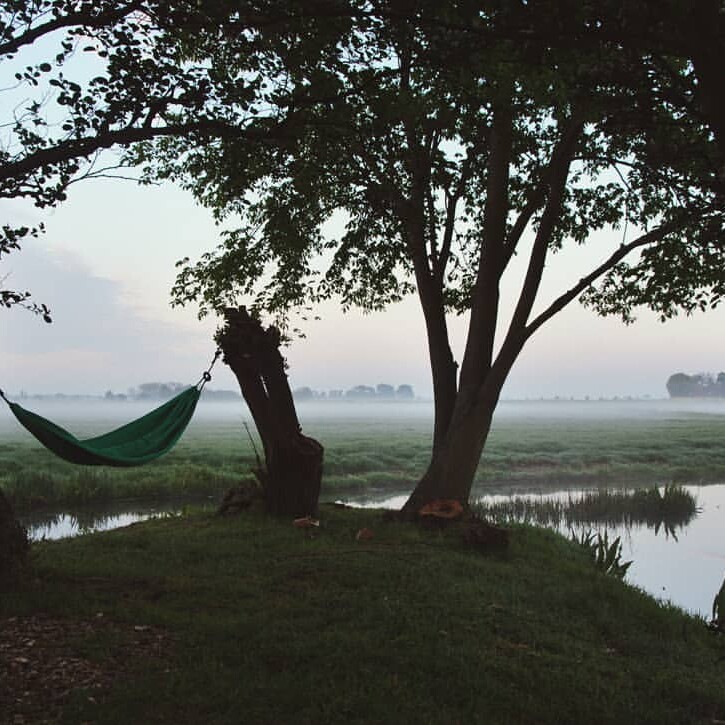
<point x="134" y="444"/>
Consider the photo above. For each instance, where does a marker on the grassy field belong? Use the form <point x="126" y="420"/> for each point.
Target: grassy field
<point x="365" y="455"/>
<point x="225" y="620"/>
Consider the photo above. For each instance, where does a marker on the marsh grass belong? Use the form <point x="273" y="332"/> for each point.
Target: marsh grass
<point x="668" y="507"/>
<point x="270" y="625"/>
<point x="363" y="454"/>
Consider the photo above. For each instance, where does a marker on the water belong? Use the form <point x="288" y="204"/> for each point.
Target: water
<point x="49" y="526"/>
<point x="686" y="569"/>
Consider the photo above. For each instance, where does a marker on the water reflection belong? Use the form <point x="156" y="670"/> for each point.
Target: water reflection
<point x="678" y="561"/>
<point x="89" y="519"/>
<point x="667" y="509"/>
<point x="61" y="526"/>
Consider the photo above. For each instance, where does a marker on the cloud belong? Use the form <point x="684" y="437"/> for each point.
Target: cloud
<point x="97" y="340"/>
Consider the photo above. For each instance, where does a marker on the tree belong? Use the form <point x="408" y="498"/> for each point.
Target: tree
<point x="360" y="392"/>
<point x="448" y="157"/>
<point x="383" y="390"/>
<point x="292" y="474"/>
<point x="703" y="385"/>
<point x="405" y="392"/>
<point x="109" y="77"/>
<point x="113" y="75"/>
<point x="680" y="385"/>
<point x="303" y="394"/>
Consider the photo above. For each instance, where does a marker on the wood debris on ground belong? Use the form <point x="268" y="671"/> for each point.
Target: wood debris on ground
<point x="42" y="662"/>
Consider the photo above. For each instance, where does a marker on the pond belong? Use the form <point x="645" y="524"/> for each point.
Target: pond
<point x="683" y="564"/>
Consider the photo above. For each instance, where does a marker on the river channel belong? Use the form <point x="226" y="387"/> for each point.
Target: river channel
<point x="683" y="564"/>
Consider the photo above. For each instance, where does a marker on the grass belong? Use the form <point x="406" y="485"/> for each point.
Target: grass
<point x="268" y="625"/>
<point x="669" y="507"/>
<point x="369" y="456"/>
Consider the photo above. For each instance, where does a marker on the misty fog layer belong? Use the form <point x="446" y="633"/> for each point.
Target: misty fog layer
<point x="95" y="416"/>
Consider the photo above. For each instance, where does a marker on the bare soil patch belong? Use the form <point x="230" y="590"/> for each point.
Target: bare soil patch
<point x="45" y="660"/>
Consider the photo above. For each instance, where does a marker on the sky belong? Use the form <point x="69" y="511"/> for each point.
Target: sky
<point x="106" y="265"/>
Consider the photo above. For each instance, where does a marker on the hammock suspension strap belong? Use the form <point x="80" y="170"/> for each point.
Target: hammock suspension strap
<point x="206" y="375"/>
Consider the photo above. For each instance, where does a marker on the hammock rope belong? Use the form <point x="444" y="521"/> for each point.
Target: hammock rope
<point x="133" y="444"/>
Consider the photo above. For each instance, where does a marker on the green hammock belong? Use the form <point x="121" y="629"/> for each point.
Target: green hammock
<point x="133" y="444"/>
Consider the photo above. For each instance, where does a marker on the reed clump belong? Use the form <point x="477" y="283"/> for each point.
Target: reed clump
<point x="670" y="506"/>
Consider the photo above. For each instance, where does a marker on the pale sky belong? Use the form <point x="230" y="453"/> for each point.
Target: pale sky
<point x="106" y="265"/>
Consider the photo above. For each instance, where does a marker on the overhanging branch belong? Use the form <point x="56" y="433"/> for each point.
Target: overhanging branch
<point x="86" y="19"/>
<point x="557" y="174"/>
<point x="85" y="147"/>
<point x="622" y="251"/>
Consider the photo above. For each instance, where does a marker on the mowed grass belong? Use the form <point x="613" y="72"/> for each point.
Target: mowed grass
<point x="269" y="624"/>
<point x="372" y="456"/>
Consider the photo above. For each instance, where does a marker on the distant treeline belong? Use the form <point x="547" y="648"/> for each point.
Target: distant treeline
<point x="162" y="394"/>
<point x="382" y="391"/>
<point x="164" y="391"/>
<point x="702" y="385"/>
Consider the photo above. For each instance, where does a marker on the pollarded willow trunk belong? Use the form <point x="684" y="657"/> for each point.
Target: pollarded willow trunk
<point x="293" y="461"/>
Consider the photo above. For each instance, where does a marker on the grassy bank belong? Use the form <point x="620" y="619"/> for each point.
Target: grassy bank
<point x="364" y="455"/>
<point x="260" y="622"/>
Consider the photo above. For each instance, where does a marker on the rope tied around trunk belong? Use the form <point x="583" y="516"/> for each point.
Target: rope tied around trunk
<point x="206" y="375"/>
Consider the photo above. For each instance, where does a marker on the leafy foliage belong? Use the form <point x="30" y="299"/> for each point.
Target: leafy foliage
<point x="607" y="557"/>
<point x="108" y="76"/>
<point x="423" y="147"/>
<point x="396" y="142"/>
<point x="367" y="151"/>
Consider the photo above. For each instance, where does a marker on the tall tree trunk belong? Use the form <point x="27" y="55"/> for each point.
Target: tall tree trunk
<point x="706" y="43"/>
<point x="444" y="371"/>
<point x="293" y="461"/>
<point x="451" y="473"/>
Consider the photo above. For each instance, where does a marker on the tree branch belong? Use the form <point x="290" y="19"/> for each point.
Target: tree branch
<point x="484" y="308"/>
<point x="622" y="251"/>
<point x="81" y="19"/>
<point x="452" y="200"/>
<point x="558" y="173"/>
<point x="82" y="148"/>
<point x="534" y="202"/>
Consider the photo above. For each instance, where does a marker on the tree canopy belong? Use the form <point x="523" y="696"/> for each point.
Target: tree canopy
<point x="448" y="139"/>
<point x="80" y="77"/>
<point x="371" y="150"/>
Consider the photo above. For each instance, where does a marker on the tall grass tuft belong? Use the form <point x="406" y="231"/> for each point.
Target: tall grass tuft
<point x="668" y="508"/>
<point x="607" y="557"/>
